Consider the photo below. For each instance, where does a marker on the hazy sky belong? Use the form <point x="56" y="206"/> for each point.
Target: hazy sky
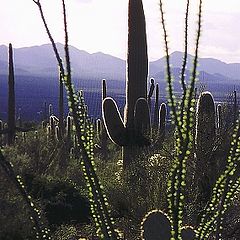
<point x="101" y="25"/>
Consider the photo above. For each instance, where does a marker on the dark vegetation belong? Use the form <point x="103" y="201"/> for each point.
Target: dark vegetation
<point x="65" y="178"/>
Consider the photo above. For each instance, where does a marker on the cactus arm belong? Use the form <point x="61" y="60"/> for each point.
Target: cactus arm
<point x="150" y="93"/>
<point x="142" y="120"/>
<point x="113" y="122"/>
<point x="156" y="108"/>
<point x="162" y="121"/>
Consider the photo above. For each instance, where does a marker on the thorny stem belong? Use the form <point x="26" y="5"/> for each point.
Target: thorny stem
<point x="169" y="75"/>
<point x="8" y="169"/>
<point x="184" y="64"/>
<point x="57" y="55"/>
<point x="92" y="177"/>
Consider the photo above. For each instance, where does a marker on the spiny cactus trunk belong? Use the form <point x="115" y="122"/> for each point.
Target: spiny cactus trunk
<point x="137" y="61"/>
<point x="156" y="108"/>
<point x="205" y="138"/>
<point x="11" y="99"/>
<point x="125" y="133"/>
<point x="103" y="131"/>
<point x="137" y="70"/>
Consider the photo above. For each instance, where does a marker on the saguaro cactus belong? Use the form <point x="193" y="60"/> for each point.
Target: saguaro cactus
<point x="137" y="62"/>
<point x="156" y="225"/>
<point x="235" y="106"/>
<point x="11" y="99"/>
<point x="204" y="139"/>
<point x="103" y="138"/>
<point x="219" y="118"/>
<point x="150" y="93"/>
<point x="61" y="107"/>
<point x="162" y="122"/>
<point x="124" y="133"/>
<point x="156" y="108"/>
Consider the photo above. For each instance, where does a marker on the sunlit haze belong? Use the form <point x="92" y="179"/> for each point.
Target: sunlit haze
<point x="101" y="26"/>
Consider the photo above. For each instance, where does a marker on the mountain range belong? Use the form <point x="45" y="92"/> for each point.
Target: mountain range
<point x="40" y="61"/>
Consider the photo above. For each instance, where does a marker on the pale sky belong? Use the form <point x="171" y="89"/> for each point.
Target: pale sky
<point x="101" y="26"/>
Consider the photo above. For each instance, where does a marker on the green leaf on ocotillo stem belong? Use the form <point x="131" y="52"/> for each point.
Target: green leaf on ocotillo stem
<point x="113" y="122"/>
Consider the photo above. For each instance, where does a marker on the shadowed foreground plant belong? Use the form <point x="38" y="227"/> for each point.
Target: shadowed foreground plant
<point x="183" y="120"/>
<point x="41" y="231"/>
<point x="228" y="183"/>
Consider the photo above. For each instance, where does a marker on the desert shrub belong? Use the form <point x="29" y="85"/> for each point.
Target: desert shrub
<point x="63" y="202"/>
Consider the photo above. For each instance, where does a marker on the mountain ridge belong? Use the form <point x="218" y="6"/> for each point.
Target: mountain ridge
<point x="39" y="60"/>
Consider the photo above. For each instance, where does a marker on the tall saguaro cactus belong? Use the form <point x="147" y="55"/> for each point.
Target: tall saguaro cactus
<point x="137" y="60"/>
<point x="205" y="138"/>
<point x="11" y="99"/>
<point x="136" y="88"/>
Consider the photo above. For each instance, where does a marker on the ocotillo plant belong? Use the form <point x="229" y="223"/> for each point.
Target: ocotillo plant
<point x="99" y="205"/>
<point x="136" y="86"/>
<point x="11" y="99"/>
<point x="204" y="141"/>
<point x="227" y="186"/>
<point x="183" y="120"/>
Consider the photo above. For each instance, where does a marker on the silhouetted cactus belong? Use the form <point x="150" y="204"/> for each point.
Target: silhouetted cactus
<point x="142" y="122"/>
<point x="45" y="113"/>
<point x="219" y="118"/>
<point x="98" y="128"/>
<point x="57" y="133"/>
<point x="11" y="99"/>
<point x="69" y="128"/>
<point x="1" y="128"/>
<point x="204" y="140"/>
<point x="36" y="135"/>
<point x="150" y="93"/>
<point x="103" y="138"/>
<point x="136" y="85"/>
<point x="50" y="110"/>
<point x="156" y="108"/>
<point x="61" y="107"/>
<point x="162" y="123"/>
<point x="24" y="136"/>
<point x="52" y="125"/>
<point x="156" y="225"/>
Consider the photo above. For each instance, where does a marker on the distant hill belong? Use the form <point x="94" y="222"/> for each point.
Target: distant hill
<point x="208" y="65"/>
<point x="36" y="78"/>
<point x="40" y="61"/>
